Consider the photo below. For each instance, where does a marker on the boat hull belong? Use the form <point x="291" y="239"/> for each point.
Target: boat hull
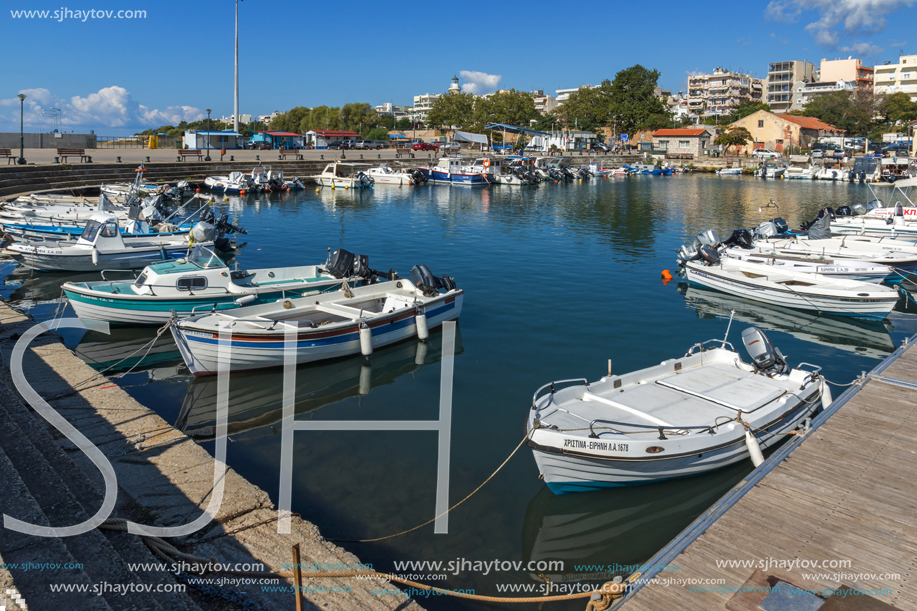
<point x="436" y="176"/>
<point x="200" y="349"/>
<point x="137" y="259"/>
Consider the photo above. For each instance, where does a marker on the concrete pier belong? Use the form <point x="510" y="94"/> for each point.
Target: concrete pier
<point x="832" y="513"/>
<point x="164" y="479"/>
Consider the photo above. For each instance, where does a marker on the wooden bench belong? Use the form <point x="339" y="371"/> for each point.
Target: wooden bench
<point x="297" y="154"/>
<point x="182" y="153"/>
<point x="401" y="152"/>
<point x="679" y="155"/>
<point x="8" y="154"/>
<point x="81" y="153"/>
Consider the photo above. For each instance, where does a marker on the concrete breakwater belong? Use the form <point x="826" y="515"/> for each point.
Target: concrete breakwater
<point x="164" y="479"/>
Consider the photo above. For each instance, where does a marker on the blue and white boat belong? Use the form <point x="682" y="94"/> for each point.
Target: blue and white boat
<point x="683" y="417"/>
<point x="353" y="321"/>
<point x="199" y="281"/>
<point x="456" y="171"/>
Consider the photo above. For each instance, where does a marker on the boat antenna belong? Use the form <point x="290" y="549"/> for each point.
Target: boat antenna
<point x="729" y="326"/>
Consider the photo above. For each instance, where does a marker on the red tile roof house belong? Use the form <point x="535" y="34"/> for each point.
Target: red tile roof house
<point x="682" y="143"/>
<point x="775" y="131"/>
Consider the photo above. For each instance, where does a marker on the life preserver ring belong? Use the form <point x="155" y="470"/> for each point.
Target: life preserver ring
<point x="487" y="163"/>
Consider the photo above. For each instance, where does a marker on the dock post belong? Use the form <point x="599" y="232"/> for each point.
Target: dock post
<point x="297" y="577"/>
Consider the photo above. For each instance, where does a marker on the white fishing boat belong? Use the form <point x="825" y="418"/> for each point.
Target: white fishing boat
<point x="894" y="226"/>
<point x="385" y="175"/>
<point x="266" y="179"/>
<point x="235" y="182"/>
<point x="800" y="168"/>
<point x="201" y="280"/>
<point x="347" y="175"/>
<point x="771" y="170"/>
<point x="900" y="256"/>
<point x="729" y="171"/>
<point x="834" y="172"/>
<point x="100" y="246"/>
<point x="851" y="269"/>
<point x="66" y="210"/>
<point x="786" y="288"/>
<point x="685" y="416"/>
<point x="332" y="325"/>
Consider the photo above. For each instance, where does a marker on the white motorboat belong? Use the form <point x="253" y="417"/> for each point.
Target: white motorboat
<point x="73" y="211"/>
<point x="235" y="182"/>
<point x="347" y="175"/>
<point x="685" y="416"/>
<point x="729" y="171"/>
<point x="894" y="226"/>
<point x="458" y="171"/>
<point x="197" y="281"/>
<point x="100" y="246"/>
<point x="332" y="325"/>
<point x="787" y="288"/>
<point x="385" y="175"/>
<point x="900" y="256"/>
<point x="800" y="168"/>
<point x="834" y="172"/>
<point x="266" y="179"/>
<point x="771" y="170"/>
<point x="851" y="269"/>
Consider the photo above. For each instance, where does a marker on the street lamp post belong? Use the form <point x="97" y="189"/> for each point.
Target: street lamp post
<point x="207" y="158"/>
<point x="21" y="160"/>
<point x="235" y="114"/>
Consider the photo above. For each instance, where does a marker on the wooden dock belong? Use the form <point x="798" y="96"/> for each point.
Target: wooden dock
<point x="844" y="496"/>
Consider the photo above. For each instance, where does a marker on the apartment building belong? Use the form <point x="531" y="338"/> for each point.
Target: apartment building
<point x="423" y="104"/>
<point x="898" y="77"/>
<point x="543" y="103"/>
<point x="781" y="81"/>
<point x="848" y="70"/>
<point x="721" y="92"/>
<point x="804" y="92"/>
<point x="564" y="94"/>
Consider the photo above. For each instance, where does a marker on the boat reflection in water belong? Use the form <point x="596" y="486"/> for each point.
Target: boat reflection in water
<point x="864" y="337"/>
<point x="598" y="535"/>
<point x="139" y="349"/>
<point x="43" y="286"/>
<point x="256" y="397"/>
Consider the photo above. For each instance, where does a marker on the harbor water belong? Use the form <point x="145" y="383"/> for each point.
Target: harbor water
<point x="559" y="279"/>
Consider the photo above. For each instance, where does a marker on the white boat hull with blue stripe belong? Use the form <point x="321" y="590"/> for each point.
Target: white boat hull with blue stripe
<point x="326" y="326"/>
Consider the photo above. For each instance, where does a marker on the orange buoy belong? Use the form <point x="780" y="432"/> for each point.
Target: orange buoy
<point x="666" y="274"/>
<point x="242" y="192"/>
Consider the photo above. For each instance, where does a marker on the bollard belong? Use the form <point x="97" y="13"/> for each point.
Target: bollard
<point x="147" y="159"/>
<point x="361" y="155"/>
<point x="57" y="160"/>
<point x="322" y="156"/>
<point x="119" y="160"/>
<point x="232" y="158"/>
<point x="379" y="156"/>
<point x="178" y="158"/>
<point x="257" y="157"/>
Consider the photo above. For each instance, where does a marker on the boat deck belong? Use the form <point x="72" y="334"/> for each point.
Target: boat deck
<point x="845" y="496"/>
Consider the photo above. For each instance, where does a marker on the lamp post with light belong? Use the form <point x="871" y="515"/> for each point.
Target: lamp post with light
<point x="21" y="160"/>
<point x="207" y="158"/>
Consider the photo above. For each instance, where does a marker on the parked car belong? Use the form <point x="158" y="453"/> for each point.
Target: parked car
<point x="817" y="153"/>
<point x="893" y="150"/>
<point x="450" y="146"/>
<point x="258" y="146"/>
<point x="424" y="146"/>
<point x="766" y="154"/>
<point x="601" y="147"/>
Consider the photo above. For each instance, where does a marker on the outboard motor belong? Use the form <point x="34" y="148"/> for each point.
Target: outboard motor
<point x="872" y="205"/>
<point x="203" y="232"/>
<point x="133" y="211"/>
<point x="419" y="177"/>
<point x="781" y="225"/>
<point x="859" y="209"/>
<point x="709" y="238"/>
<point x="765" y="356"/>
<point x="365" y="180"/>
<point x="820" y="228"/>
<point x="105" y="204"/>
<point x="766" y="230"/>
<point x="568" y="173"/>
<point x="207" y="216"/>
<point x="224" y="226"/>
<point x="423" y="279"/>
<point x="708" y="254"/>
<point x="685" y="254"/>
<point x="843" y="211"/>
<point x="340" y="263"/>
<point x="741" y="238"/>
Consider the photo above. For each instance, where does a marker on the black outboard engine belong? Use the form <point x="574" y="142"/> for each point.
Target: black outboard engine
<point x="765" y="356"/>
<point x="423" y="279"/>
<point x="207" y="216"/>
<point x="708" y="254"/>
<point x="340" y="263"/>
<point x="568" y="173"/>
<point x="224" y="226"/>
<point x="365" y="180"/>
<point x="843" y="211"/>
<point x="583" y="173"/>
<point x="741" y="238"/>
<point x="419" y="177"/>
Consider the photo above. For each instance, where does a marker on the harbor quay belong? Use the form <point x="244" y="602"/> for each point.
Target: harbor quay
<point x="163" y="479"/>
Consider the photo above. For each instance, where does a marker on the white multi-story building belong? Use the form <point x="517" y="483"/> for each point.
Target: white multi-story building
<point x="564" y="94"/>
<point x="897" y="78"/>
<point x="543" y="103"/>
<point x="804" y="92"/>
<point x="423" y="104"/>
<point x="850" y="69"/>
<point x="392" y="110"/>
<point x="270" y="117"/>
<point x="721" y="92"/>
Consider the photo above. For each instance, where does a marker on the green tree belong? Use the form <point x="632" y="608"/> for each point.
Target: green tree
<point x="404" y="124"/>
<point x="452" y="110"/>
<point x="897" y="109"/>
<point x="378" y="133"/>
<point x="842" y="110"/>
<point x="511" y="107"/>
<point x="633" y="100"/>
<point x="359" y="116"/>
<point x="734" y="136"/>
<point x="386" y="121"/>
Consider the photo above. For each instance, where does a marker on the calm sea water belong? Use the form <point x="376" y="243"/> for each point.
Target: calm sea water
<point x="559" y="279"/>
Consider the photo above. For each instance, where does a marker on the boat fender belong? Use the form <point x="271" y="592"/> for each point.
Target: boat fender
<point x="826" y="398"/>
<point x="366" y="379"/>
<point x="245" y="300"/>
<point x="420" y="356"/>
<point x="95" y="256"/>
<point x="754" y="450"/>
<point x="366" y="339"/>
<point x="420" y="320"/>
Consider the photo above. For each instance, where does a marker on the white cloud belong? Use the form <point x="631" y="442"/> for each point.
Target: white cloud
<point x="864" y="49"/>
<point x="479" y="83"/>
<point x="111" y="107"/>
<point x="851" y="16"/>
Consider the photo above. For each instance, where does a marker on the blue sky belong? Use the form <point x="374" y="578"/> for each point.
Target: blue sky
<point x="117" y="76"/>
